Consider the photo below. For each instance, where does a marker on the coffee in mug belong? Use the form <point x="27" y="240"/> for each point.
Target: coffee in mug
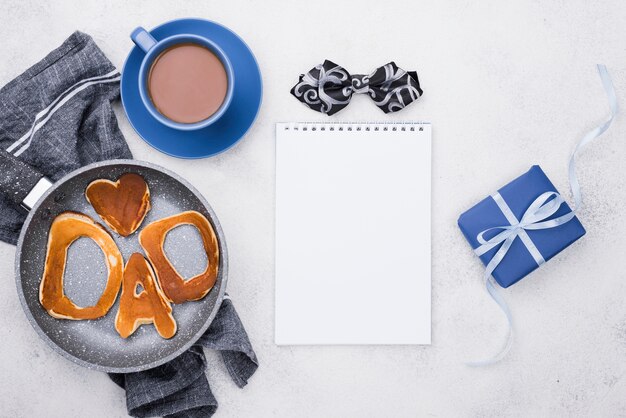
<point x="187" y="83"/>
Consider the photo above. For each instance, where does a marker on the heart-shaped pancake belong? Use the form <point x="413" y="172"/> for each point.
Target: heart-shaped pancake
<point x="122" y="204"/>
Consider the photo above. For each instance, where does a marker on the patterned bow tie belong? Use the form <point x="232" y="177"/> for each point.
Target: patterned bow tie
<point x="328" y="87"/>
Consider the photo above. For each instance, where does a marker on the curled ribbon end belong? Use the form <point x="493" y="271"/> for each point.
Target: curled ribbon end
<point x="497" y="297"/>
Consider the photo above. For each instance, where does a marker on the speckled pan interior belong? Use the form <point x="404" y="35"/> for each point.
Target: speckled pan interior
<point x="95" y="343"/>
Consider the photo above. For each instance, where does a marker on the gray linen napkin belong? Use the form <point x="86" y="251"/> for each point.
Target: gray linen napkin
<point x="180" y="389"/>
<point x="57" y="117"/>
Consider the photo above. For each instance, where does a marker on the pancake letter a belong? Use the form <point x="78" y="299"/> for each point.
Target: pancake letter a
<point x="142" y="301"/>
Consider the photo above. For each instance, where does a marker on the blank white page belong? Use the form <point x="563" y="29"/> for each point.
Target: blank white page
<point x="353" y="233"/>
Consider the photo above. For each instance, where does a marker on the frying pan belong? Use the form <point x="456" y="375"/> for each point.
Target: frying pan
<point x="95" y="343"/>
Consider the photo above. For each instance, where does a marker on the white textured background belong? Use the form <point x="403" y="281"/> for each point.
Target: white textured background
<point x="507" y="84"/>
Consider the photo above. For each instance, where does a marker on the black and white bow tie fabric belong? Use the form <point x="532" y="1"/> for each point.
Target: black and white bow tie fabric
<point x="328" y="87"/>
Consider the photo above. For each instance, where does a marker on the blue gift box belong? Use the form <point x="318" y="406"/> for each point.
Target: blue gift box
<point x="519" y="195"/>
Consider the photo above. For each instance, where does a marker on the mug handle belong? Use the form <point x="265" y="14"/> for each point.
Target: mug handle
<point x="143" y="39"/>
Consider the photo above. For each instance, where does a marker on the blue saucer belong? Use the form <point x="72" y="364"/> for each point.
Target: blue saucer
<point x="217" y="137"/>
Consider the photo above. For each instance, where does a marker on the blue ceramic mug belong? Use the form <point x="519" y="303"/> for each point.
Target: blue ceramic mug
<point x="153" y="49"/>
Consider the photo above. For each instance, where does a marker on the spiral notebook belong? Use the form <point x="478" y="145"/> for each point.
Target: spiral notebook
<point x="353" y="233"/>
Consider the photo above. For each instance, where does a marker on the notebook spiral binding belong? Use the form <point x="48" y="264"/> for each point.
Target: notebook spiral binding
<point x="354" y="127"/>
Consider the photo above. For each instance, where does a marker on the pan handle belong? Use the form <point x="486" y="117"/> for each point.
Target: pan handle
<point x="21" y="183"/>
